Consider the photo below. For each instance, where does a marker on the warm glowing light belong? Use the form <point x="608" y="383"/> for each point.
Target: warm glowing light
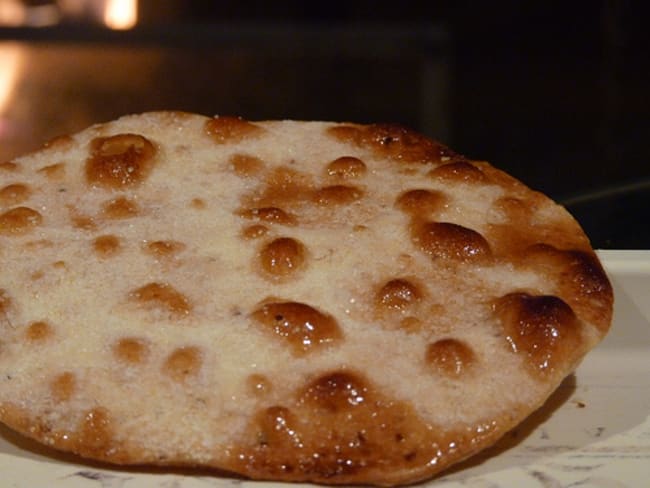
<point x="121" y="14"/>
<point x="11" y="61"/>
<point x="15" y="13"/>
<point x="12" y="13"/>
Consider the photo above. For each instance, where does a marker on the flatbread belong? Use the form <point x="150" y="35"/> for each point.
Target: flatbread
<point x="285" y="300"/>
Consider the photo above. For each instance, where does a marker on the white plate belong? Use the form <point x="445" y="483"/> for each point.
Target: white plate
<point x="594" y="431"/>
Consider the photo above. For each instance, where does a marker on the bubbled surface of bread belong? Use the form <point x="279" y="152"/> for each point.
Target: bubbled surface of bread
<point x="286" y="300"/>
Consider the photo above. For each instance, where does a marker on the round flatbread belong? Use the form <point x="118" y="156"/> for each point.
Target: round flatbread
<point x="300" y="301"/>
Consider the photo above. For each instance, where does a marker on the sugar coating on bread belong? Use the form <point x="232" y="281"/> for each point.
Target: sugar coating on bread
<point x="300" y="301"/>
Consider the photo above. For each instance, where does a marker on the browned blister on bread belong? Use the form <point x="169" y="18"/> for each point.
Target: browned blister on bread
<point x="295" y="301"/>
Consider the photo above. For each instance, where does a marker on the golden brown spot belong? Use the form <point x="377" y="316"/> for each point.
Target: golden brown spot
<point x="230" y="130"/>
<point x="581" y="279"/>
<point x="197" y="203"/>
<point x="585" y="281"/>
<point x="164" y="248"/>
<point x="282" y="257"/>
<point x="131" y="350"/>
<point x="59" y="264"/>
<point x="283" y="188"/>
<point x="302" y="326"/>
<point x="346" y="167"/>
<point x="516" y="209"/>
<point x="360" y="228"/>
<point x="120" y="208"/>
<point x="183" y="364"/>
<point x="458" y="171"/>
<point x="365" y="433"/>
<point x="14" y="194"/>
<point x="394" y="141"/>
<point x="95" y="437"/>
<point x="19" y="220"/>
<point x="92" y="437"/>
<point x="83" y="222"/>
<point x="420" y="203"/>
<point x="276" y="427"/>
<point x="120" y="161"/>
<point x="37" y="275"/>
<point x="337" y="195"/>
<point x="272" y="215"/>
<point x="398" y="294"/>
<point x="517" y="228"/>
<point x="5" y="304"/>
<point x="543" y="328"/>
<point x="258" y="384"/>
<point x="254" y="231"/>
<point x="8" y="166"/>
<point x="106" y="246"/>
<point x="53" y="171"/>
<point x="450" y="357"/>
<point x="39" y="244"/>
<point x="411" y="324"/>
<point x="443" y="240"/>
<point x="337" y="391"/>
<point x="246" y="165"/>
<point x="163" y="296"/>
<point x="63" y="386"/>
<point x="38" y="331"/>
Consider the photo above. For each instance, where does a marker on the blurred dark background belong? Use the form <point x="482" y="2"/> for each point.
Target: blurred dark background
<point x="555" y="93"/>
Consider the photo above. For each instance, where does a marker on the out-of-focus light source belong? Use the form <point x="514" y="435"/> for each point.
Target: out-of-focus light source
<point x="12" y="13"/>
<point x="11" y="62"/>
<point x="15" y="13"/>
<point x="121" y="14"/>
